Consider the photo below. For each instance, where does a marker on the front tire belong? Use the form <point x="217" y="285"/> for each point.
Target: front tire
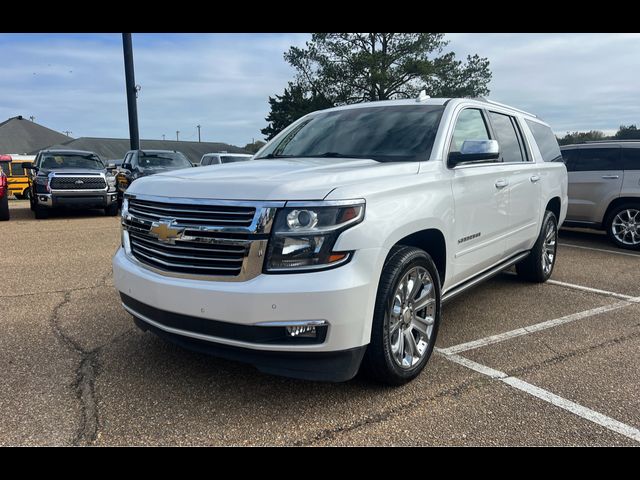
<point x="406" y="317"/>
<point x="4" y="208"/>
<point x="111" y="210"/>
<point x="623" y="226"/>
<point x="538" y="266"/>
<point x="41" y="213"/>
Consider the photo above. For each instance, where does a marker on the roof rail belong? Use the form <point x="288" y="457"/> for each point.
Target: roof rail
<point x="482" y="99"/>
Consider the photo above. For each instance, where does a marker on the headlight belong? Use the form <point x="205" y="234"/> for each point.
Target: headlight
<point x="111" y="182"/>
<point x="304" y="235"/>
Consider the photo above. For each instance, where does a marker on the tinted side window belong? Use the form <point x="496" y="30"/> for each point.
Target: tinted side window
<point x="17" y="169"/>
<point x="630" y="159"/>
<point x="595" y="159"/>
<point x="546" y="140"/>
<point x="569" y="157"/>
<point x="4" y="166"/>
<point x="507" y="136"/>
<point x="470" y="126"/>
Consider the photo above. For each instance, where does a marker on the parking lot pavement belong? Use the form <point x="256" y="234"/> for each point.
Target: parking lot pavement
<point x="517" y="364"/>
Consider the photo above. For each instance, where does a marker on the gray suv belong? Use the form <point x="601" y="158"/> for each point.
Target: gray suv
<point x="604" y="189"/>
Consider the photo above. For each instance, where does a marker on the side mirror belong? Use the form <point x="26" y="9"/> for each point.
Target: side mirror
<point x="29" y="166"/>
<point x="474" y="151"/>
<point x="126" y="166"/>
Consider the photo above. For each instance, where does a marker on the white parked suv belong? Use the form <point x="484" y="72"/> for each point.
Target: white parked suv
<point x="335" y="248"/>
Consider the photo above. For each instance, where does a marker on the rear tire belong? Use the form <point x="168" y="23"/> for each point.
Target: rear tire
<point x="406" y="317"/>
<point x="4" y="208"/>
<point x="623" y="226"/>
<point x="538" y="266"/>
<point x="111" y="210"/>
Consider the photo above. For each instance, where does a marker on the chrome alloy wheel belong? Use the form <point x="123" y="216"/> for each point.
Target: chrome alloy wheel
<point x="626" y="226"/>
<point x="549" y="248"/>
<point x="411" y="317"/>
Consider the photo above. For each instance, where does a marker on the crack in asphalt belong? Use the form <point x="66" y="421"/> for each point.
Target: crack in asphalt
<point x="88" y="367"/>
<point x="455" y="391"/>
<point x="393" y="412"/>
<point x="101" y="283"/>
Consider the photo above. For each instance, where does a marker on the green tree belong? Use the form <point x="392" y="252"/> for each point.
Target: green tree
<point x="344" y="68"/>
<point x="627" y="133"/>
<point x="580" y="137"/>
<point x="294" y="103"/>
<point x="254" y="147"/>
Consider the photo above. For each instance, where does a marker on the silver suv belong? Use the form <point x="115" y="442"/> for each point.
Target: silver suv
<point x="604" y="189"/>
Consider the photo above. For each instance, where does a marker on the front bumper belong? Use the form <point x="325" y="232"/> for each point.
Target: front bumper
<point x="343" y="298"/>
<point x="80" y="199"/>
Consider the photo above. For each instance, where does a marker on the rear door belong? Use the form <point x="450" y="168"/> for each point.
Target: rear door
<point x="522" y="176"/>
<point x="595" y="179"/>
<point x="631" y="166"/>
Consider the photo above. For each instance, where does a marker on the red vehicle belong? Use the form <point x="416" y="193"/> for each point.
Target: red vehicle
<point x="4" y="191"/>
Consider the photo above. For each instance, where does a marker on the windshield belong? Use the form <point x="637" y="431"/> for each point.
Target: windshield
<point x="163" y="160"/>
<point x="397" y="133"/>
<point x="51" y="161"/>
<point x="231" y="159"/>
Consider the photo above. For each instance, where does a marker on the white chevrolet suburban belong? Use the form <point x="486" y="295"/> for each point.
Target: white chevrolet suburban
<point x="335" y="248"/>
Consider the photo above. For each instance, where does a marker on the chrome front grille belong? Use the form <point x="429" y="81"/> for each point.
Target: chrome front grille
<point x="224" y="215"/>
<point x="77" y="183"/>
<point x="208" y="239"/>
<point x="190" y="257"/>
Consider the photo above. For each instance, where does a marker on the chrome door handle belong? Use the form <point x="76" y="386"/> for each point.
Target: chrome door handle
<point x="501" y="183"/>
<point x="610" y="177"/>
<point x="534" y="178"/>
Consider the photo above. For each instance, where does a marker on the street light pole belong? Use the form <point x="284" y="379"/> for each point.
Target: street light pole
<point x="130" y="83"/>
<point x="198" y="133"/>
<point x="177" y="133"/>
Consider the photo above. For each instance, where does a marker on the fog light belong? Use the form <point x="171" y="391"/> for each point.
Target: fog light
<point x="306" y="331"/>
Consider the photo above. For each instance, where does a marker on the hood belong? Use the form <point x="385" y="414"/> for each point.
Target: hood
<point x="290" y="179"/>
<point x="71" y="171"/>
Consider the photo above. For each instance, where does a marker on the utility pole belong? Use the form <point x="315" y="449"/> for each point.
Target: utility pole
<point x="32" y="118"/>
<point x="130" y="84"/>
<point x="163" y="136"/>
<point x="177" y="133"/>
<point x="198" y="133"/>
<point x="67" y="132"/>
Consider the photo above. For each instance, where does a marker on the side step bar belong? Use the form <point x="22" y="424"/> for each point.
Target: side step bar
<point x="481" y="277"/>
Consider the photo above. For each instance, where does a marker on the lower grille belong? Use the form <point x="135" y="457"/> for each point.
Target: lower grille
<point x="78" y="183"/>
<point x="199" y="258"/>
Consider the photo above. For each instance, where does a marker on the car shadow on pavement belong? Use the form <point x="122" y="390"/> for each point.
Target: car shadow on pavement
<point x="20" y="211"/>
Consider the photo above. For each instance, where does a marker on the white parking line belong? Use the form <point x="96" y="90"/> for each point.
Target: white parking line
<point x="599" y="249"/>
<point x="518" y="332"/>
<point x="545" y="395"/>
<point x="593" y="290"/>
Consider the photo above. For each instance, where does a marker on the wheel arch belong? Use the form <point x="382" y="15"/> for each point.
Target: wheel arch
<point x="615" y="203"/>
<point x="555" y="205"/>
<point x="432" y="241"/>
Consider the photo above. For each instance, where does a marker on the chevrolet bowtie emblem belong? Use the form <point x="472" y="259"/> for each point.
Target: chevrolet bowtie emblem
<point x="164" y="232"/>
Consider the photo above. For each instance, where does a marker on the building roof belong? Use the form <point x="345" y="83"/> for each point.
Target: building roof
<point x="19" y="136"/>
<point x="116" y="148"/>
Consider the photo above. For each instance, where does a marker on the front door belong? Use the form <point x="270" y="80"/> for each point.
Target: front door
<point x="481" y="202"/>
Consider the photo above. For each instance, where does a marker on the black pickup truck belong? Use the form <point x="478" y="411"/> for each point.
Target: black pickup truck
<point x="71" y="178"/>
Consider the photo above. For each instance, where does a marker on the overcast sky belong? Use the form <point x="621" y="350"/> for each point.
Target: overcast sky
<point x="222" y="81"/>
